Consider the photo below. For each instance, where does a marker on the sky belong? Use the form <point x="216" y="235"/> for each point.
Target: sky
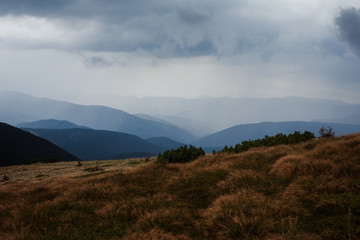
<point x="81" y="50"/>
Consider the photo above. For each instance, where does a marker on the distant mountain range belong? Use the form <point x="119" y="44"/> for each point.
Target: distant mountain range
<point x="16" y="108"/>
<point x="202" y="116"/>
<point x="20" y="147"/>
<point x="89" y="144"/>
<point x="237" y="134"/>
<point x="99" y="132"/>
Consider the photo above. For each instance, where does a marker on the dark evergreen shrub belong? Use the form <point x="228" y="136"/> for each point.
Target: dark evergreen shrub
<point x="182" y="154"/>
<point x="267" y="141"/>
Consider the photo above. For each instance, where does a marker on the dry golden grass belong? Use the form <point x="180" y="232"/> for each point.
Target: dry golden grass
<point x="155" y="234"/>
<point x="44" y="173"/>
<point x="238" y="216"/>
<point x="306" y="191"/>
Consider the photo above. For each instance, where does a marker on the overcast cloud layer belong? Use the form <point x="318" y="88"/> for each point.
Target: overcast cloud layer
<point x="188" y="48"/>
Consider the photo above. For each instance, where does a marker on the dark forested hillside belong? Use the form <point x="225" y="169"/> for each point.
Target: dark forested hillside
<point x="20" y="147"/>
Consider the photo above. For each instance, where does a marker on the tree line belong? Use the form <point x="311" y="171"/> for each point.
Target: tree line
<point x="185" y="154"/>
<point x="269" y="141"/>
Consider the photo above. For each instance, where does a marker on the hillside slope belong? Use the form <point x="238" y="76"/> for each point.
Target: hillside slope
<point x="237" y="134"/>
<point x="306" y="191"/>
<point x="16" y="108"/>
<point x="20" y="147"/>
<point x="164" y="142"/>
<point x="89" y="144"/>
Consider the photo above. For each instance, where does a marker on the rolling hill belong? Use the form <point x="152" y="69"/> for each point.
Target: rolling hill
<point x="239" y="133"/>
<point x="307" y="191"/>
<point x="89" y="144"/>
<point x="20" y="147"/>
<point x="16" y="108"/>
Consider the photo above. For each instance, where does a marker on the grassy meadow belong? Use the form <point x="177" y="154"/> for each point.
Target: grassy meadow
<point x="305" y="191"/>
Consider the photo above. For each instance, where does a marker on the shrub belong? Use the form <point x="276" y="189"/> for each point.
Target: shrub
<point x="182" y="154"/>
<point x="326" y="132"/>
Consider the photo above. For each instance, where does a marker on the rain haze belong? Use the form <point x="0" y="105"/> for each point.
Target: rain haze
<point x="179" y="119"/>
<point x="85" y="51"/>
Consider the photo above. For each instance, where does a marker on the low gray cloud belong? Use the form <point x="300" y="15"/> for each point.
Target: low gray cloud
<point x="331" y="46"/>
<point x="97" y="62"/>
<point x="349" y="27"/>
<point x="192" y="16"/>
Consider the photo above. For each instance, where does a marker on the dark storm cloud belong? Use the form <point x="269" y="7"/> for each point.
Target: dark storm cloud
<point x="163" y="28"/>
<point x="349" y="27"/>
<point x="35" y="7"/>
<point x="158" y="26"/>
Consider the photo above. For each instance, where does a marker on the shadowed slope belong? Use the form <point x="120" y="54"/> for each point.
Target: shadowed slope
<point x="89" y="144"/>
<point x="20" y="147"/>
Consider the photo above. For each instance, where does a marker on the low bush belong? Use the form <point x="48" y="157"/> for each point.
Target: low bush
<point x="326" y="132"/>
<point x="182" y="154"/>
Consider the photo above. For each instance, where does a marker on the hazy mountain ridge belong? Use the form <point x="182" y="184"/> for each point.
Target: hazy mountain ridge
<point x="16" y="108"/>
<point x="21" y="147"/>
<point x="214" y="114"/>
<point x="239" y="133"/>
<point x="49" y="124"/>
<point x="198" y="115"/>
<point x="89" y="144"/>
